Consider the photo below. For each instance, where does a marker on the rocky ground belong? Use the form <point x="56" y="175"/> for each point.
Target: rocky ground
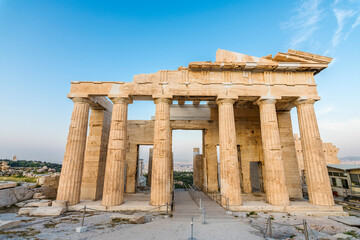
<point x="240" y="226"/>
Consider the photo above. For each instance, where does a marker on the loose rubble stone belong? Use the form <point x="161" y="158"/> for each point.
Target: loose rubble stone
<point x="81" y="229"/>
<point x="25" y="210"/>
<point x="20" y="204"/>
<point x="137" y="219"/>
<point x="58" y="203"/>
<point x="48" y="211"/>
<point x="9" y="224"/>
<point x="42" y="203"/>
<point x="342" y="236"/>
<point x="4" y="184"/>
<point x="38" y="195"/>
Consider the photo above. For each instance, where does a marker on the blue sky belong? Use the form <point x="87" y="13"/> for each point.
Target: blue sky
<point x="46" y="44"/>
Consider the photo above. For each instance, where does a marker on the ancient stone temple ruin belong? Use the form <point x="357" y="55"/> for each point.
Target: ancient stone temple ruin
<point x="246" y="115"/>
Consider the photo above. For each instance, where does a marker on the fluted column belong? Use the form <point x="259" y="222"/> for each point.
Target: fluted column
<point x="229" y="165"/>
<point x="71" y="171"/>
<point x="292" y="175"/>
<point x="317" y="178"/>
<point x="114" y="182"/>
<point x="160" y="177"/>
<point x="276" y="191"/>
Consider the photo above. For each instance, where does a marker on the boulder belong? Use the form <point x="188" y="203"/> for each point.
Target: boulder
<point x="137" y="219"/>
<point x="25" y="210"/>
<point x="48" y="211"/>
<point x="10" y="196"/>
<point x="9" y="224"/>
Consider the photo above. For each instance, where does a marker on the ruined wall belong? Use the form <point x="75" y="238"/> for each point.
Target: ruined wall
<point x="95" y="155"/>
<point x="247" y="122"/>
<point x="331" y="152"/>
<point x="329" y="149"/>
<point x="140" y="132"/>
<point x="248" y="137"/>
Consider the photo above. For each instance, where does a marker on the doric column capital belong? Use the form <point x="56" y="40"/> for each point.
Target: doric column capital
<point x="222" y="101"/>
<point x="265" y="100"/>
<point x="163" y="100"/>
<point x="303" y="101"/>
<point x="121" y="100"/>
<point x="81" y="99"/>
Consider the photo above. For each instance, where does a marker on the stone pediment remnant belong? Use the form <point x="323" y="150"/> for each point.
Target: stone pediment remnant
<point x="292" y="60"/>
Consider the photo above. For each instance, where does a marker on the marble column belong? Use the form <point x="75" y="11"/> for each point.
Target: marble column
<point x="160" y="177"/>
<point x="229" y="165"/>
<point x="95" y="154"/>
<point x="71" y="172"/>
<point x="114" y="182"/>
<point x="292" y="175"/>
<point x="276" y="191"/>
<point x="317" y="178"/>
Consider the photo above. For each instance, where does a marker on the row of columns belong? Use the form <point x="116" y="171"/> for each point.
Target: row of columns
<point x="275" y="179"/>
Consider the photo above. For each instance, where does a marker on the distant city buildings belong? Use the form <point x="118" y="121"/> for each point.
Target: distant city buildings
<point x="178" y="167"/>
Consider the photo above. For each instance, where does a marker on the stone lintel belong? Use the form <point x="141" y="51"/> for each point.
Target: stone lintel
<point x="96" y="102"/>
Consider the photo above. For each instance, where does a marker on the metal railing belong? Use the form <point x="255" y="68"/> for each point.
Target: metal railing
<point x="194" y="193"/>
<point x="217" y="197"/>
<point x="268" y="230"/>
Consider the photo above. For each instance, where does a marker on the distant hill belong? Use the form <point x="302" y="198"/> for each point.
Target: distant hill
<point x="32" y="163"/>
<point x="350" y="158"/>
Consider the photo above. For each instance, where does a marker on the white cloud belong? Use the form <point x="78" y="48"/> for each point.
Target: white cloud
<point x="356" y="23"/>
<point x="304" y="23"/>
<point x="342" y="17"/>
<point x="348" y="18"/>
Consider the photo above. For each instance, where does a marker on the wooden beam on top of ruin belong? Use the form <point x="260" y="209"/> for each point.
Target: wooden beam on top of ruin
<point x="196" y="102"/>
<point x="181" y="102"/>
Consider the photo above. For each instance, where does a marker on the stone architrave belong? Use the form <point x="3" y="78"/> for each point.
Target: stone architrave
<point x="160" y="177"/>
<point x="317" y="178"/>
<point x="229" y="165"/>
<point x="292" y="176"/>
<point x="276" y="191"/>
<point x="114" y="183"/>
<point x="72" y="168"/>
